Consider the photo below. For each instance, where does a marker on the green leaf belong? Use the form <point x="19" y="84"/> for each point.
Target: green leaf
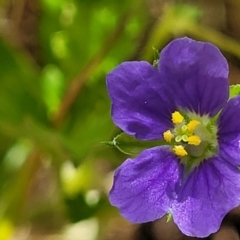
<point x="234" y="90"/>
<point x="132" y="146"/>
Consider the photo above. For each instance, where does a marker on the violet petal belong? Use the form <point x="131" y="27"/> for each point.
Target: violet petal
<point x="143" y="187"/>
<point x="206" y="196"/>
<point x="196" y="75"/>
<point x="137" y="105"/>
<point x="229" y="131"/>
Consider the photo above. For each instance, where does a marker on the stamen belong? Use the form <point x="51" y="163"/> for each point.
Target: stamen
<point x="192" y="125"/>
<point x="168" y="136"/>
<point x="194" y="140"/>
<point x="180" y="151"/>
<point x="177" y="117"/>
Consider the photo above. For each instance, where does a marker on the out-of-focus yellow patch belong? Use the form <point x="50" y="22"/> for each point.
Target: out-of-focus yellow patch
<point x="6" y="229"/>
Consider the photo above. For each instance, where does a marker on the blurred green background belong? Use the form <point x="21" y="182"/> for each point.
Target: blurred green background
<point x="55" y="172"/>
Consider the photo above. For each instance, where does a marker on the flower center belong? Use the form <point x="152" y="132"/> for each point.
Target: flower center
<point x="193" y="138"/>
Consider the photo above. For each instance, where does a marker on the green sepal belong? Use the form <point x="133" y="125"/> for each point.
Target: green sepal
<point x="169" y="217"/>
<point x="132" y="146"/>
<point x="234" y="90"/>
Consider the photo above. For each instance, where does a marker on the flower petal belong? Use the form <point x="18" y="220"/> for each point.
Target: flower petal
<point x="143" y="187"/>
<point x="137" y="106"/>
<point x="195" y="75"/>
<point x="229" y="131"/>
<point x="206" y="196"/>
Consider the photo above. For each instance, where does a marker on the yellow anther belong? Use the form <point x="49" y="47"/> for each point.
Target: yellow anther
<point x="177" y="117"/>
<point x="194" y="140"/>
<point x="168" y="136"/>
<point x="192" y="125"/>
<point x="180" y="151"/>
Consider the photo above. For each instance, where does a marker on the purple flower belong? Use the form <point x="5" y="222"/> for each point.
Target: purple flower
<point x="194" y="177"/>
